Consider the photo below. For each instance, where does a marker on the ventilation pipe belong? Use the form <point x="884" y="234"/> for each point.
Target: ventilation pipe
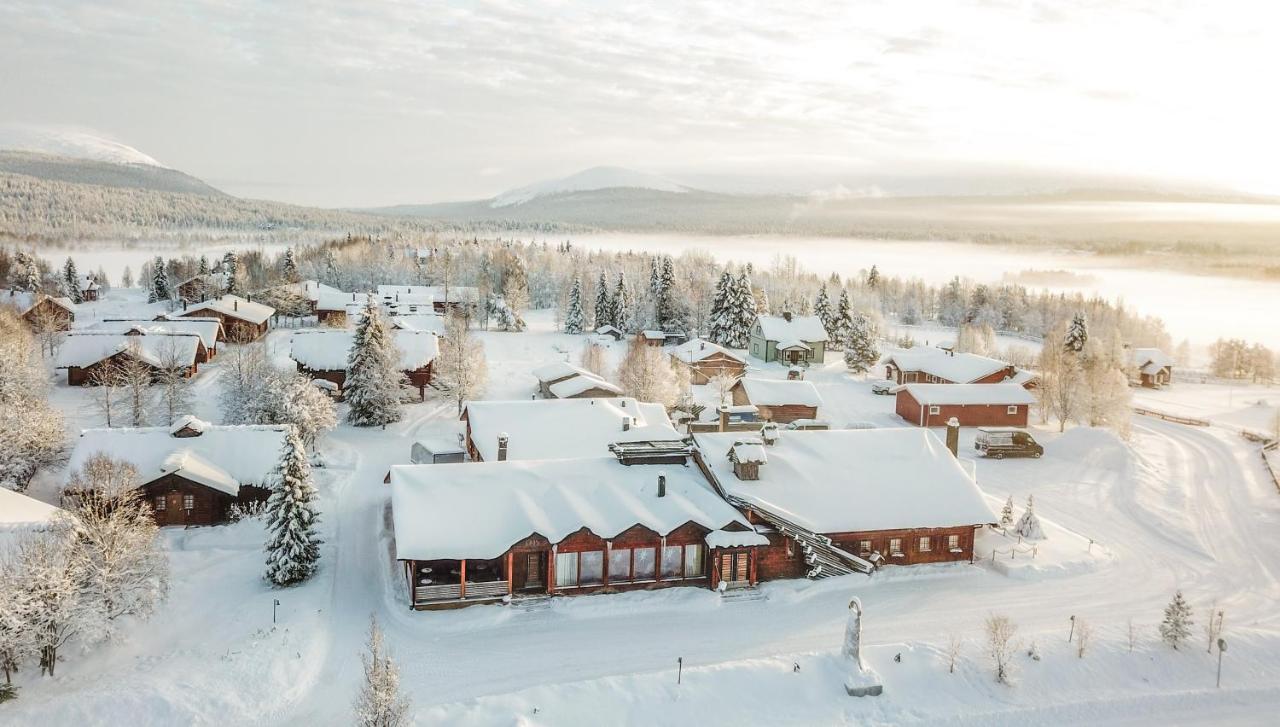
<point x="662" y="484"/>
<point x="502" y="447"/>
<point x="953" y="436"/>
<point x="626" y="424"/>
<point x="235" y="305"/>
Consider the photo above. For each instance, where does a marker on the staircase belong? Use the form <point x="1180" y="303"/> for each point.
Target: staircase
<point x="530" y="604"/>
<point x="742" y="595"/>
<point x="824" y="559"/>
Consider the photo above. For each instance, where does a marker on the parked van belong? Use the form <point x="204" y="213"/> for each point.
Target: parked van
<point x="1001" y="442"/>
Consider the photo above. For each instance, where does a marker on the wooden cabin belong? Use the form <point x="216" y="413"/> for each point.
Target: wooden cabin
<point x="705" y="361"/>
<point x="89" y="288"/>
<point x="776" y="400"/>
<point x="658" y="339"/>
<point x="209" y="330"/>
<point x="322" y="354"/>
<point x="200" y="288"/>
<point x="84" y="353"/>
<point x="42" y="313"/>
<point x="1151" y="367"/>
<point x="926" y="365"/>
<point x="243" y="320"/>
<point x="560" y="428"/>
<point x="191" y="472"/>
<point x="789" y="339"/>
<point x="563" y="380"/>
<point x="973" y="405"/>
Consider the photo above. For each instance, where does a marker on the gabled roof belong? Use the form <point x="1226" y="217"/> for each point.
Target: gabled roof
<point x="220" y="457"/>
<point x="25" y="301"/>
<point x="82" y="349"/>
<point x="961" y="368"/>
<point x="480" y="509"/>
<point x="327" y="349"/>
<point x="20" y="514"/>
<point x="208" y="329"/>
<point x="1003" y="394"/>
<point x="575" y="385"/>
<point x="698" y="350"/>
<point x="314" y="290"/>
<point x="851" y="480"/>
<point x="1151" y="356"/>
<point x="557" y="370"/>
<point x="428" y="322"/>
<point x="779" y="392"/>
<point x="428" y="293"/>
<point x="799" y="328"/>
<point x="564" y="428"/>
<point x="235" y="307"/>
<point x="88" y="282"/>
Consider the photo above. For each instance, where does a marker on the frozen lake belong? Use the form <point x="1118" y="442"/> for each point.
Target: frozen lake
<point x="1201" y="308"/>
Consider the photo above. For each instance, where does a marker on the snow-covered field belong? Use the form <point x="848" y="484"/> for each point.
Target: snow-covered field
<point x="1175" y="507"/>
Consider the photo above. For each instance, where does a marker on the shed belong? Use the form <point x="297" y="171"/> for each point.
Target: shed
<point x="973" y="405"/>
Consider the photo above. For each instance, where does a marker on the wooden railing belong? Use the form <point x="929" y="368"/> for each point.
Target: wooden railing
<point x="453" y="591"/>
<point x="1189" y="421"/>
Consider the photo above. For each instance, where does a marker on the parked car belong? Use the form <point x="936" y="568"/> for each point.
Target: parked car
<point x="883" y="388"/>
<point x="1001" y="442"/>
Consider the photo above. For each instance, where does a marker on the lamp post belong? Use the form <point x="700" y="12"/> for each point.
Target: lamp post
<point x="1222" y="646"/>
<point x="680" y="668"/>
<point x="1072" y="634"/>
<point x="274" y="605"/>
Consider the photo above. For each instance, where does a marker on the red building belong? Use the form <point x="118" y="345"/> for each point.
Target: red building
<point x="322" y="354"/>
<point x="973" y="405"/>
<point x="778" y="400"/>
<point x="927" y="365"/>
<point x="243" y="320"/>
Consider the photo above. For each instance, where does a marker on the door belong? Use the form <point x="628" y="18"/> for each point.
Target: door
<point x="174" y="514"/>
<point x="734" y="567"/>
<point x="533" y="567"/>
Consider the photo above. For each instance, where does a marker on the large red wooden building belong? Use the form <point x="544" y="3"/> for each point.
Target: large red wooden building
<point x="973" y="405"/>
<point x="929" y="365"/>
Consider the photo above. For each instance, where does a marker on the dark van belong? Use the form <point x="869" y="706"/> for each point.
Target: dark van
<point x="1001" y="442"/>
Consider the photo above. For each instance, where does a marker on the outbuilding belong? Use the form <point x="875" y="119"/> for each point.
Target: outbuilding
<point x="243" y="320"/>
<point x="973" y="405"/>
<point x="777" y="400"/>
<point x="706" y="360"/>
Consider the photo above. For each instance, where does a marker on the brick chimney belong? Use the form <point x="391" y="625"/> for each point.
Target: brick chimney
<point x="235" y="305"/>
<point x="662" y="484"/>
<point x="953" y="436"/>
<point x="724" y="419"/>
<point x="502" y="447"/>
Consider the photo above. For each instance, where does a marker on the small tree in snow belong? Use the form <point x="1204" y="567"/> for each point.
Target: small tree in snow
<point x="593" y="358"/>
<point x="574" y="319"/>
<point x="293" y="550"/>
<point x="1006" y="513"/>
<point x="860" y="350"/>
<point x="645" y="374"/>
<point x="722" y="383"/>
<point x="17" y="641"/>
<point x="292" y="398"/>
<point x="380" y="703"/>
<point x="242" y="381"/>
<point x="1077" y="334"/>
<point x="463" y="368"/>
<point x="1000" y="645"/>
<point x="105" y="387"/>
<point x="1029" y="525"/>
<point x="171" y="379"/>
<point x="135" y="378"/>
<point x="374" y="377"/>
<point x="1177" y="623"/>
<point x="955" y="644"/>
<point x="31" y="433"/>
<point x="47" y="565"/>
<point x="1213" y="626"/>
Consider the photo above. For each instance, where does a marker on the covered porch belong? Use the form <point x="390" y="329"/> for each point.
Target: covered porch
<point x="441" y="583"/>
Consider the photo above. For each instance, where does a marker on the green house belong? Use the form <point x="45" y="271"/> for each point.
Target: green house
<point x="788" y="339"/>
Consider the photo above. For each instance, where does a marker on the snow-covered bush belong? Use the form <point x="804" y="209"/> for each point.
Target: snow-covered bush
<point x="1176" y="626"/>
<point x="1029" y="525"/>
<point x="380" y="702"/>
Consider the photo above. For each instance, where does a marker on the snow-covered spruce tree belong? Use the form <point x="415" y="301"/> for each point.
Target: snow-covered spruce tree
<point x="26" y="275"/>
<point x="860" y="349"/>
<point x="71" y="281"/>
<point x="742" y="314"/>
<point x="719" y="303"/>
<point x="1077" y="334"/>
<point x="620" y="305"/>
<point x="1176" y="626"/>
<point x="666" y="309"/>
<point x="1029" y="525"/>
<point x="293" y="550"/>
<point x="873" y="278"/>
<point x="374" y="378"/>
<point x="574" y="320"/>
<point x="31" y="431"/>
<point x="843" y="321"/>
<point x="603" y="308"/>
<point x="463" y="368"/>
<point x="202" y="268"/>
<point x="230" y="272"/>
<point x="822" y="309"/>
<point x="645" y="374"/>
<point x="289" y="266"/>
<point x="380" y="703"/>
<point x="160" y="280"/>
<point x="1006" y="512"/>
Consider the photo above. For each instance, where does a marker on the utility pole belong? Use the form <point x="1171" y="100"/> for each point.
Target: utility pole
<point x="1073" y="629"/>
<point x="275" y="604"/>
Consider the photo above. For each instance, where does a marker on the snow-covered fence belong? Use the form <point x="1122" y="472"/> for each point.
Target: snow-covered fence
<point x="1189" y="421"/>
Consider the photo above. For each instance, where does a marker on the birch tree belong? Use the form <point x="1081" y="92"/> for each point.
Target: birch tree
<point x="171" y="378"/>
<point x="1001" y="645"/>
<point x="380" y="702"/>
<point x="463" y="369"/>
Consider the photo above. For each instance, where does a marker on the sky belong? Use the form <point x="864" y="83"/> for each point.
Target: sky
<point x="372" y="103"/>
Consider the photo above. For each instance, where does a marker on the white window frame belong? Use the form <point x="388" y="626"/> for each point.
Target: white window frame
<point x="925" y="544"/>
<point x="864" y="547"/>
<point x="953" y="543"/>
<point x="934" y="410"/>
<point x="188" y="502"/>
<point x="161" y="503"/>
<point x="1012" y="409"/>
<point x="895" y="547"/>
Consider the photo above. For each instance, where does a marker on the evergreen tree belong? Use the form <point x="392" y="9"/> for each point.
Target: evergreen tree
<point x="331" y="268"/>
<point x="573" y="318"/>
<point x="1029" y="525"/>
<point x="860" y="349"/>
<point x="620" y="304"/>
<point x="668" y="317"/>
<point x="203" y="267"/>
<point x="71" y="281"/>
<point x="1077" y="334"/>
<point x="604" y="306"/>
<point x="742" y="314"/>
<point x="719" y="303"/>
<point x="374" y="377"/>
<point x="1176" y="626"/>
<point x="230" y="272"/>
<point x="293" y="550"/>
<point x="289" y="266"/>
<point x="1006" y="513"/>
<point x="159" y="281"/>
<point x="843" y="319"/>
<point x="126" y="278"/>
<point x="822" y="309"/>
<point x="873" y="278"/>
<point x="28" y="275"/>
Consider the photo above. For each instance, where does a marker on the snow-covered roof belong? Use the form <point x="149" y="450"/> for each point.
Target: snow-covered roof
<point x="24" y="301"/>
<point x="734" y="539"/>
<point x="698" y="350"/>
<point x="428" y="322"/>
<point x="1022" y="377"/>
<point x="792" y="344"/>
<point x="602" y="330"/>
<point x="564" y="428"/>
<point x="748" y="451"/>
<point x="480" y="509"/>
<point x="88" y="282"/>
<point x="236" y="307"/>
<point x="961" y="368"/>
<point x="653" y="335"/>
<point x="575" y="385"/>
<point x="327" y="349"/>
<point x="428" y="293"/>
<point x="968" y="394"/>
<point x="221" y="457"/>
<point x="338" y="300"/>
<point x="779" y="392"/>
<point x="799" y="328"/>
<point x="22" y="514"/>
<point x="158" y="349"/>
<point x="557" y="370"/>
<point x="208" y="329"/>
<point x="1146" y="356"/>
<point x="314" y="290"/>
<point x="850" y="480"/>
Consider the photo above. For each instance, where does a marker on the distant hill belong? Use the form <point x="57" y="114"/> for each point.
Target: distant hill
<point x="589" y="180"/>
<point x="132" y="175"/>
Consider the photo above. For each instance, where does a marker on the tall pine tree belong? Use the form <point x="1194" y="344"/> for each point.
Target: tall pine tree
<point x="374" y="378"/>
<point x="1176" y="626"/>
<point x="293" y="550"/>
<point x="843" y="320"/>
<point x="1077" y="334"/>
<point x="289" y="266"/>
<point x="741" y="315"/>
<point x="719" y="302"/>
<point x="604" y="306"/>
<point x="620" y="304"/>
<point x="860" y="350"/>
<point x="71" y="281"/>
<point x="822" y="309"/>
<point x="159" y="280"/>
<point x="230" y="272"/>
<point x="573" y="318"/>
<point x="666" y="314"/>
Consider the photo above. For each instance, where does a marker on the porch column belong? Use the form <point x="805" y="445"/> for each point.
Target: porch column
<point x="511" y="584"/>
<point x="608" y="550"/>
<point x="551" y="570"/>
<point x="752" y="576"/>
<point x="657" y="567"/>
<point x="462" y="578"/>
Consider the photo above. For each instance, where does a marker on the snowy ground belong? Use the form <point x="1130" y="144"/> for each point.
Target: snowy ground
<point x="1177" y="507"/>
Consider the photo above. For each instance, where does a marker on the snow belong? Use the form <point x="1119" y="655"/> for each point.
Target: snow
<point x="564" y="428"/>
<point x="327" y="349"/>
<point x="481" y="509"/>
<point x="426" y="294"/>
<point x="236" y="307"/>
<point x="749" y="451"/>
<point x="576" y="385"/>
<point x="735" y="539"/>
<point x="852" y="480"/>
<point x="208" y="329"/>
<point x="698" y="350"/>
<point x="799" y="328"/>
<point x="430" y="323"/>
<point x="22" y="514"/>
<point x="189" y="465"/>
<point x="776" y="392"/>
<point x="1061" y="554"/>
<point x="69" y="142"/>
<point x="960" y="368"/>
<point x="558" y="370"/>
<point x="968" y="394"/>
<point x="1143" y="357"/>
<point x="586" y="181"/>
<point x="24" y="301"/>
<point x="86" y="349"/>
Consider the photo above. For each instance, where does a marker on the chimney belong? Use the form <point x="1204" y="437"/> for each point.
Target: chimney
<point x="953" y="436"/>
<point x="724" y="419"/>
<point x="786" y="315"/>
<point x="235" y="305"/>
<point x="502" y="447"/>
<point x="662" y="484"/>
<point x="626" y="424"/>
<point x="184" y="304"/>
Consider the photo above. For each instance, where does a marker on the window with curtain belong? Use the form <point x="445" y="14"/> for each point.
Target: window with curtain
<point x="694" y="566"/>
<point x="953" y="542"/>
<point x="160" y="503"/>
<point x="926" y="544"/>
<point x="895" y="546"/>
<point x="188" y="502"/>
<point x="672" y="559"/>
<point x="566" y="570"/>
<point x="645" y="562"/>
<point x="620" y="565"/>
<point x="591" y="567"/>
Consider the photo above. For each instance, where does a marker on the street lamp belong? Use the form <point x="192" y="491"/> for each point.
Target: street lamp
<point x="1222" y="646"/>
<point x="274" y="605"/>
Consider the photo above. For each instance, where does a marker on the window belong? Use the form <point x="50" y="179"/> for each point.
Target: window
<point x="591" y="568"/>
<point x="935" y="409"/>
<point x="645" y="560"/>
<point x="620" y="565"/>
<point x="1012" y="410"/>
<point x="188" y="502"/>
<point x="791" y="547"/>
<point x="160" y="503"/>
<point x="672" y="559"/>
<point x="925" y="544"/>
<point x="895" y="546"/>
<point x="566" y="570"/>
<point x="694" y="561"/>
<point x="864" y="547"/>
<point x="953" y="543"/>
